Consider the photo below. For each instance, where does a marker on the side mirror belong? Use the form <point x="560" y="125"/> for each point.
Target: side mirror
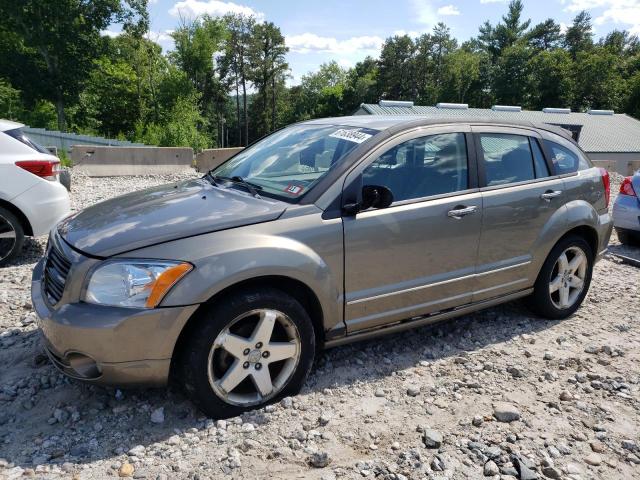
<point x="376" y="196"/>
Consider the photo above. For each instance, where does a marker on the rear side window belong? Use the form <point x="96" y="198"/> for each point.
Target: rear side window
<point x="565" y="160"/>
<point x="19" y="135"/>
<point x="507" y="158"/>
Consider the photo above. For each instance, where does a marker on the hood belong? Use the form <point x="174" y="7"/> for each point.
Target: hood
<point x="163" y="213"/>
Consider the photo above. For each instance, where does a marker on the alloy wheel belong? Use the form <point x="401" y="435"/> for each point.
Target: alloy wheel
<point x="568" y="277"/>
<point x="7" y="237"/>
<point x="254" y="357"/>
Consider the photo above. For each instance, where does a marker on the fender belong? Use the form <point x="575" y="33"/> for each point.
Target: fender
<point x="576" y="213"/>
<point x="225" y="258"/>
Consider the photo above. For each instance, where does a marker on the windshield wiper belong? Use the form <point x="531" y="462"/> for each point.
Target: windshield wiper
<point x="237" y="179"/>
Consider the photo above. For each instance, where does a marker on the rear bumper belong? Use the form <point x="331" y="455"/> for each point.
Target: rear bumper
<point x="44" y="205"/>
<point x="109" y="345"/>
<point x="626" y="213"/>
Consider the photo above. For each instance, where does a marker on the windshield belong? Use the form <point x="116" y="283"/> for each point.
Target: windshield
<point x="288" y="163"/>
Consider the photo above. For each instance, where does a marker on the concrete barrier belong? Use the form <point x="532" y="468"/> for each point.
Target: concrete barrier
<point x="211" y="158"/>
<point x="98" y="161"/>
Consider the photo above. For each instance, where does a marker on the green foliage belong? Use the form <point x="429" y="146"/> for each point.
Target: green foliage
<point x="225" y="81"/>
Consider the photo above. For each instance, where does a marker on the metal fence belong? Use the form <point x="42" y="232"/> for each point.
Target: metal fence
<point x="64" y="141"/>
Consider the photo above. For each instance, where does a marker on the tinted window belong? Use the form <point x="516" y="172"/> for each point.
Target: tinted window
<point x="507" y="158"/>
<point x="19" y="135"/>
<point x="565" y="160"/>
<point x="422" y="167"/>
<point x="542" y="170"/>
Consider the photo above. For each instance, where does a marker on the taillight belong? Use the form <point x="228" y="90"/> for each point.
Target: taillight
<point x="626" y="187"/>
<point x="47" y="169"/>
<point x="606" y="182"/>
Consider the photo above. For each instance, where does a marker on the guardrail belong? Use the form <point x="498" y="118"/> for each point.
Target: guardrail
<point x="65" y="141"/>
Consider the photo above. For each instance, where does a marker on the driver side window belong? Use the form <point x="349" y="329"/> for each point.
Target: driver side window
<point x="422" y="167"/>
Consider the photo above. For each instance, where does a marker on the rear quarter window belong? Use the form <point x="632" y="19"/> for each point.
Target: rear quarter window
<point x="19" y="135"/>
<point x="566" y="160"/>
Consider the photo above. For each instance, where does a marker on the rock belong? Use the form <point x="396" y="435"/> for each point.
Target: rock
<point x="491" y="469"/>
<point x="477" y="420"/>
<point x="126" y="470"/>
<point x="323" y="420"/>
<point x="319" y="459"/>
<point x="157" y="416"/>
<point x="547" y="355"/>
<point x="551" y="472"/>
<point x="413" y="391"/>
<point x="431" y="438"/>
<point x="379" y="392"/>
<point x="524" y="471"/>
<point x="506" y="412"/>
<point x="629" y="445"/>
<point x="593" y="459"/>
<point x="137" y="451"/>
<point x="438" y="464"/>
<point x="597" y="446"/>
<point x="566" y="396"/>
<point x="286" y="402"/>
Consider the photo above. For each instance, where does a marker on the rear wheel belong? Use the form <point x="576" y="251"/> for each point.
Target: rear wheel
<point x="564" y="279"/>
<point x="627" y="237"/>
<point x="247" y="351"/>
<point x="11" y="236"/>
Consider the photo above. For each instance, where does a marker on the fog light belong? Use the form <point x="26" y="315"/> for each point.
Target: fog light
<point x="83" y="365"/>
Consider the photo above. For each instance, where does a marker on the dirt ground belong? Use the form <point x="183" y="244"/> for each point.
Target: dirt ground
<point x="421" y="404"/>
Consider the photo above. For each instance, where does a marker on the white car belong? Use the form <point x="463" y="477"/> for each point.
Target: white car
<point x="32" y="199"/>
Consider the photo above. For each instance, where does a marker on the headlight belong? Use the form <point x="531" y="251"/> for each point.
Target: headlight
<point x="141" y="284"/>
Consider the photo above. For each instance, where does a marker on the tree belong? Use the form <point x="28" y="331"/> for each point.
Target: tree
<point x="599" y="81"/>
<point x="512" y="75"/>
<point x="462" y="70"/>
<point x="579" y="36"/>
<point x="396" y="69"/>
<point x="507" y="32"/>
<point x="235" y="66"/>
<point x="552" y="82"/>
<point x="545" y="35"/>
<point x="65" y="36"/>
<point x="432" y="50"/>
<point x="268" y="70"/>
<point x="196" y="46"/>
<point x="11" y="106"/>
<point x="361" y="85"/>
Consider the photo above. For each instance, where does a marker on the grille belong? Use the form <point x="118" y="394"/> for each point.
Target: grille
<point x="56" y="270"/>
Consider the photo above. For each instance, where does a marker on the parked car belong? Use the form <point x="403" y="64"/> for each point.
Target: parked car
<point x="325" y="232"/>
<point x="626" y="211"/>
<point x="32" y="200"/>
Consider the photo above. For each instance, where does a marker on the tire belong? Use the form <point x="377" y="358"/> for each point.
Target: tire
<point x="549" y="302"/>
<point x="11" y="236"/>
<point x="205" y="363"/>
<point x="65" y="179"/>
<point x="627" y="237"/>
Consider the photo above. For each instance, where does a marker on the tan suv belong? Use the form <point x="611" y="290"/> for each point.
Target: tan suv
<point x="325" y="232"/>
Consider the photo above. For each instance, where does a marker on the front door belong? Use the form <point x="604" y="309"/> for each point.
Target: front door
<point x="519" y="195"/>
<point x="417" y="256"/>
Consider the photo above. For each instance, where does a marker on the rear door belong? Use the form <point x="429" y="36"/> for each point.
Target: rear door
<point x="520" y="193"/>
<point x="417" y="256"/>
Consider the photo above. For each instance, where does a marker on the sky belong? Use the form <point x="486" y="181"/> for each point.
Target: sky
<point x="318" y="31"/>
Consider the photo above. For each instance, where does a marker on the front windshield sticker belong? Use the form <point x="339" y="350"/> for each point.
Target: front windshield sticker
<point x="351" y="135"/>
<point x="294" y="189"/>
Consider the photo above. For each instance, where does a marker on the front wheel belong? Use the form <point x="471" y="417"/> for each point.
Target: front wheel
<point x="247" y="351"/>
<point x="564" y="279"/>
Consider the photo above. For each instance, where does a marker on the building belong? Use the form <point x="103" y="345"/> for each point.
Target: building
<point x="611" y="140"/>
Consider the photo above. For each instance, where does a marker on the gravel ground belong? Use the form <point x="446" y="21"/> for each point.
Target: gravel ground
<point x="497" y="394"/>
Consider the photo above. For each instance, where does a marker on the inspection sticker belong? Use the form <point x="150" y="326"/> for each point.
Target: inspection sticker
<point x="351" y="135"/>
<point x="293" y="189"/>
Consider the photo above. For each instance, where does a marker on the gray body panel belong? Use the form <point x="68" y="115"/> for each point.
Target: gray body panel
<point x="376" y="271"/>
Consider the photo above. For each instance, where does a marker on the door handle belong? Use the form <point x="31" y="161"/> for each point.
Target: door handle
<point x="458" y="213"/>
<point x="549" y="194"/>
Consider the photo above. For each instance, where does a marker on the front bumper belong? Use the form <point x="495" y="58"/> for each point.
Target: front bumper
<point x="108" y="345"/>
